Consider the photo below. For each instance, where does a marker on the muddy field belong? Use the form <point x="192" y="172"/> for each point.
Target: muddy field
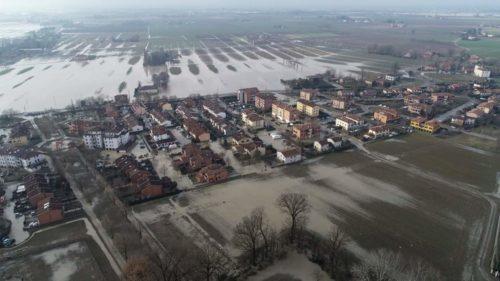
<point x="379" y="206"/>
<point x="443" y="157"/>
<point x="65" y="252"/>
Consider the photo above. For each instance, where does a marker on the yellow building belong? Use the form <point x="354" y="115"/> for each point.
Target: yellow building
<point x="307" y="107"/>
<point x="422" y="124"/>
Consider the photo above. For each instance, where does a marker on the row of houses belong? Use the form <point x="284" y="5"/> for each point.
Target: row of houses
<point x="143" y="183"/>
<point x="51" y="197"/>
<point x="15" y="157"/>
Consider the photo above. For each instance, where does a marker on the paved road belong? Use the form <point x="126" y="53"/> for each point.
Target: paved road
<point x="447" y="115"/>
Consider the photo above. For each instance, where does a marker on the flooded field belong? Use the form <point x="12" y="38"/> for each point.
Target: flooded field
<point x="16" y="29"/>
<point x="64" y="252"/>
<point x="378" y="205"/>
<point x="57" y="81"/>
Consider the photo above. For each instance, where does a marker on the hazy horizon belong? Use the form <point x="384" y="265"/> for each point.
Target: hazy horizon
<point x="62" y="5"/>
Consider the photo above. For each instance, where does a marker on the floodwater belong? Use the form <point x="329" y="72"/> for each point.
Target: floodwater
<point x="57" y="82"/>
<point x="377" y="205"/>
<point x="16" y="29"/>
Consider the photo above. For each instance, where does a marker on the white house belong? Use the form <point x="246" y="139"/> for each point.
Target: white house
<point x="30" y="160"/>
<point x="335" y="141"/>
<point x="289" y="156"/>
<point x="108" y="139"/>
<point x="481" y="72"/>
<point x="379" y="131"/>
<point x="322" y="146"/>
<point x="159" y="133"/>
<point x="349" y="122"/>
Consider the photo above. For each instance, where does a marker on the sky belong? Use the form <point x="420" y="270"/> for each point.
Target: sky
<point x="43" y="5"/>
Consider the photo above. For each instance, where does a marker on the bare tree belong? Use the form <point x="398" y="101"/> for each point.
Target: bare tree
<point x="266" y="232"/>
<point x="211" y="262"/>
<point x="122" y="242"/>
<point x="383" y="265"/>
<point x="173" y="265"/>
<point x="137" y="269"/>
<point x="418" y="270"/>
<point x="296" y="206"/>
<point x="247" y="236"/>
<point x="333" y="246"/>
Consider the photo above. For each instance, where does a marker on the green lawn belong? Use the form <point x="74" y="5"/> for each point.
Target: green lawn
<point x="486" y="48"/>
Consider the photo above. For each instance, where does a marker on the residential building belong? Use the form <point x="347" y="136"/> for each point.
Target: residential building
<point x="284" y="112"/>
<point x="146" y="90"/>
<point x="341" y="103"/>
<point x="350" y="122"/>
<point x="212" y="107"/>
<point x="20" y="134"/>
<point x="49" y="210"/>
<point x="193" y="158"/>
<point x="422" y="124"/>
<point x="14" y="157"/>
<point x="133" y="124"/>
<point x="441" y="98"/>
<point x="386" y="115"/>
<point x="212" y="173"/>
<point x="481" y="72"/>
<point x="308" y="94"/>
<point x="322" y="146"/>
<point x="379" y="131"/>
<point x="335" y="141"/>
<point x="159" y="133"/>
<point x="138" y="109"/>
<point x="289" y="155"/>
<point x="264" y="101"/>
<point x="253" y="120"/>
<point x="476" y="113"/>
<point x="222" y="126"/>
<point x="420" y="109"/>
<point x="121" y="100"/>
<point x="108" y="138"/>
<point x="196" y="130"/>
<point x="161" y="118"/>
<point x="307" y="107"/>
<point x="488" y="107"/>
<point x="306" y="131"/>
<point x="247" y="95"/>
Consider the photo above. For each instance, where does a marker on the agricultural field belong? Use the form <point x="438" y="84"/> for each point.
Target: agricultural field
<point x="486" y="48"/>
